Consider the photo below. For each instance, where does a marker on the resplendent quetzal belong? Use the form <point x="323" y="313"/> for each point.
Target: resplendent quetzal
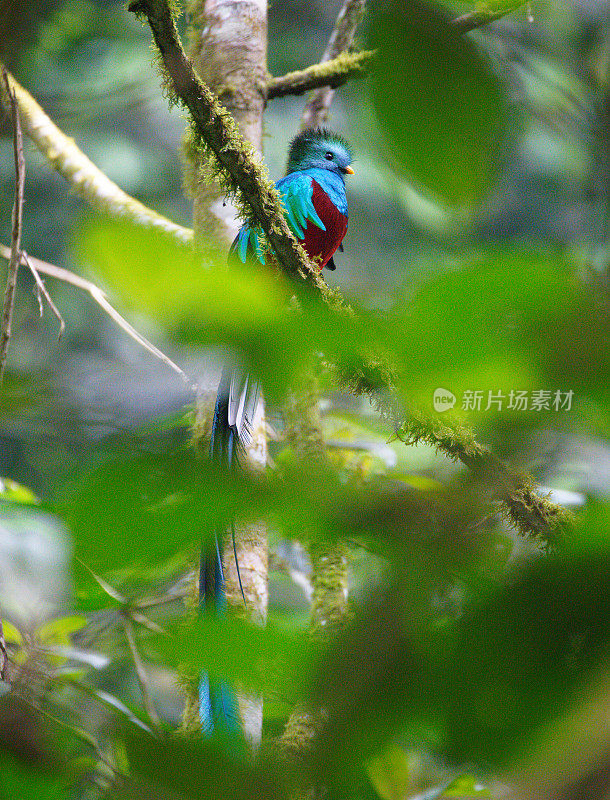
<point x="313" y="196"/>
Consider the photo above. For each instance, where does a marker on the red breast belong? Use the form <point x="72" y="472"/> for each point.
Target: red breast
<point x="320" y="245"/>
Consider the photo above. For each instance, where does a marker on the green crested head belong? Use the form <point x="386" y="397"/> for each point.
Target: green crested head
<point x="321" y="148"/>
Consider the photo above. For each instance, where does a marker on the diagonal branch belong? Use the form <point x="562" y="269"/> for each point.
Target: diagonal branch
<point x="477" y="19"/>
<point x="100" y="298"/>
<point x="85" y="178"/>
<point x="217" y="130"/>
<point x="533" y="515"/>
<point x="15" y="256"/>
<point x="42" y="292"/>
<point x="151" y="711"/>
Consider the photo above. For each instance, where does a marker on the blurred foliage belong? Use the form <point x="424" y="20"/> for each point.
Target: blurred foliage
<point x="446" y="138"/>
<point x="471" y="657"/>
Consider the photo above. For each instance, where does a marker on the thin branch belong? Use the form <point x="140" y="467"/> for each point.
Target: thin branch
<point x="100" y="298"/>
<point x="82" y="175"/>
<point x="15" y="256"/>
<point x="532" y="515"/>
<point x="477" y="19"/>
<point x="108" y="701"/>
<point x="147" y="623"/>
<point x="3" y="655"/>
<point x="334" y="72"/>
<point x="217" y="130"/>
<point x="170" y="597"/>
<point x="110" y="590"/>
<point x="141" y="673"/>
<point x="341" y="39"/>
<point x="42" y="292"/>
<point x="349" y="66"/>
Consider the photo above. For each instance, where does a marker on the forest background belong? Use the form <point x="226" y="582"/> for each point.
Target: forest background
<point x="471" y="658"/>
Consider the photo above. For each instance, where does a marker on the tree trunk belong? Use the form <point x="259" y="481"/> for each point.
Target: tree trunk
<point x="228" y="47"/>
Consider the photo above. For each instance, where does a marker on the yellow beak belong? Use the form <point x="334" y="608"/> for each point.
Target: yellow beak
<point x="349" y="170"/>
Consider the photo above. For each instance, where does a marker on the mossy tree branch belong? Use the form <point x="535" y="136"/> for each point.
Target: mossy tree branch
<point x="534" y="516"/>
<point x="216" y="129"/>
<point x="81" y="173"/>
<point x="346" y="66"/>
<point x="333" y="73"/>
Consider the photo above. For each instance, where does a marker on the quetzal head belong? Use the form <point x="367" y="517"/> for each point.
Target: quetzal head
<point x="320" y="148"/>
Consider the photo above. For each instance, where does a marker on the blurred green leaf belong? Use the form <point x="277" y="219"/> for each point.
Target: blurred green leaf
<point x="28" y="766"/>
<point x="521" y="655"/>
<point x="390" y="773"/>
<point x="14" y="492"/>
<point x="480" y="688"/>
<point x="259" y="658"/>
<point x="436" y="99"/>
<point x="189" y="768"/>
<point x="144" y="509"/>
<point x="466" y="787"/>
<point x="381" y="676"/>
<point x="11" y="634"/>
<point x="153" y="274"/>
<point x="21" y="781"/>
<point x="488" y="326"/>
<point x="60" y="630"/>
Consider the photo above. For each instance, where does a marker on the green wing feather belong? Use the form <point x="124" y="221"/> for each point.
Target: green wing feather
<point x="296" y="191"/>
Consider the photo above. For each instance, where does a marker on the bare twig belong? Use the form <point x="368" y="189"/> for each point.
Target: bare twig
<point x="341" y="39"/>
<point x="147" y="623"/>
<point x="3" y="655"/>
<point x="82" y="175"/>
<point x="141" y="673"/>
<point x="15" y="257"/>
<point x="42" y="292"/>
<point x="104" y="585"/>
<point x="100" y="298"/>
<point x="170" y="597"/>
<point x="108" y="701"/>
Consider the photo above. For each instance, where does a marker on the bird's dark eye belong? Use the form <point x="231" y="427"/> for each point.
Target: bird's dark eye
<point x="329" y="156"/>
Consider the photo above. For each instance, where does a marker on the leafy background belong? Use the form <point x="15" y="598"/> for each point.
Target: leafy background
<point x="477" y="258"/>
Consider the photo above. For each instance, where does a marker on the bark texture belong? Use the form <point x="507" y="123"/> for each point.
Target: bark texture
<point x="228" y="48"/>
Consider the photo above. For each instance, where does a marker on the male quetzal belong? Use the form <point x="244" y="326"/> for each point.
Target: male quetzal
<point x="313" y="196"/>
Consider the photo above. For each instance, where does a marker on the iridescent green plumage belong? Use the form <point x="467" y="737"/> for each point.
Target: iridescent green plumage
<point x="307" y="145"/>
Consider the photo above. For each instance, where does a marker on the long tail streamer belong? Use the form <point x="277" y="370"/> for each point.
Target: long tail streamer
<point x="231" y="429"/>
